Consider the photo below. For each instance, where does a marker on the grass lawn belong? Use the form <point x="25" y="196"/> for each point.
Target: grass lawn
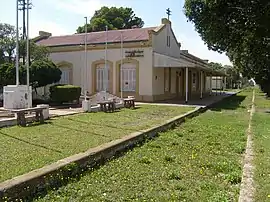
<point x="261" y="138"/>
<point x="232" y="90"/>
<point x="25" y="149"/>
<point x="198" y="161"/>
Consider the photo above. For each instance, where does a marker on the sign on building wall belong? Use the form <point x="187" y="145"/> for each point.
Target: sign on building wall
<point x="134" y="53"/>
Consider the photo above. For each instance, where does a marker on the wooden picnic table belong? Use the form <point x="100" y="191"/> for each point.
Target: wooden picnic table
<point x="107" y="106"/>
<point x="129" y="102"/>
<point x="21" y="120"/>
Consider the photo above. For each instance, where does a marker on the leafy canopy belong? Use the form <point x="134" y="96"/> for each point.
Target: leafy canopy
<point x="42" y="73"/>
<point x="7" y="42"/>
<point x="114" y="18"/>
<point x="215" y="66"/>
<point x="239" y="28"/>
<point x="8" y="46"/>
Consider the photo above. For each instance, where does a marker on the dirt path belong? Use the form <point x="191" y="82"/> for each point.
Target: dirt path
<point x="247" y="185"/>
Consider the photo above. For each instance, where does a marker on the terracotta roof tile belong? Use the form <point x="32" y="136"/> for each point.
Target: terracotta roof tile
<point x="129" y="35"/>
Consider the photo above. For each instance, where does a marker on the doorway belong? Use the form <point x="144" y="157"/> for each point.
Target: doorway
<point x="179" y="83"/>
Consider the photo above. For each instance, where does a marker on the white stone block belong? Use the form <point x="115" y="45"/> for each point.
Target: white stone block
<point x="46" y="112"/>
<point x="17" y="97"/>
<point x="95" y="108"/>
<point x="86" y="106"/>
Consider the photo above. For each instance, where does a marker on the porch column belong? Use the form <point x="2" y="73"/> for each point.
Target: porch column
<point x="221" y="89"/>
<point x="211" y="84"/>
<point x="201" y="83"/>
<point x="225" y="82"/>
<point x="186" y="84"/>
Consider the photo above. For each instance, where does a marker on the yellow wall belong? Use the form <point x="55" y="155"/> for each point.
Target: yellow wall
<point x="77" y="59"/>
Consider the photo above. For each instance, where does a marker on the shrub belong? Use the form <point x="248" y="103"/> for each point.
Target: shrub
<point x="64" y="93"/>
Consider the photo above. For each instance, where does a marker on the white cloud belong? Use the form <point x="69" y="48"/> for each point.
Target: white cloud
<point x="80" y="7"/>
<point x="197" y="47"/>
<point x="77" y="7"/>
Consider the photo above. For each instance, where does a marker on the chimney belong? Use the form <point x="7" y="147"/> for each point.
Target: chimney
<point x="44" y="34"/>
<point x="184" y="51"/>
<point x="165" y="21"/>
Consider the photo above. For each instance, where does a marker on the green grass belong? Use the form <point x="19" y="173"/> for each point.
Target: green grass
<point x="25" y="149"/>
<point x="261" y="138"/>
<point x="232" y="90"/>
<point x="198" y="161"/>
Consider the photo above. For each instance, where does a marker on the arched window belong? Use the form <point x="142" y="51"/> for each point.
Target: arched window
<point x="65" y="76"/>
<point x="67" y="73"/>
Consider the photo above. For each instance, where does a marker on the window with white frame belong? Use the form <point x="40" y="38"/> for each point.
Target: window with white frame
<point x="128" y="75"/>
<point x="101" y="75"/>
<point x="65" y="76"/>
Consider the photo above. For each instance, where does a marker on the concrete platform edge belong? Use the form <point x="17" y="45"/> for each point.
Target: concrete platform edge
<point x="26" y="185"/>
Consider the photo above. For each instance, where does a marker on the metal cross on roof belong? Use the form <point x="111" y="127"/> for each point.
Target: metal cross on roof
<point x="168" y="12"/>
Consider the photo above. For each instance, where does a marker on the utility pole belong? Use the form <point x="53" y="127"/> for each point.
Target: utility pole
<point x="24" y="6"/>
<point x="85" y="55"/>
<point x="17" y="44"/>
<point x="168" y="12"/>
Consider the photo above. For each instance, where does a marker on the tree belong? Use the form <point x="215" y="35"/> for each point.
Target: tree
<point x="37" y="52"/>
<point x="114" y="18"/>
<point x="42" y="73"/>
<point x="215" y="66"/>
<point x="233" y="76"/>
<point x="7" y="74"/>
<point x="238" y="28"/>
<point x="7" y="42"/>
<point x="8" y="46"/>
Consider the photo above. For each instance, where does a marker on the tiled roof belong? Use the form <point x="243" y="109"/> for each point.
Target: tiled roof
<point x="114" y="36"/>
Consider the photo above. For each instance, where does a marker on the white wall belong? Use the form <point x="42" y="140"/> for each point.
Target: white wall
<point x="113" y="55"/>
<point x="160" y="43"/>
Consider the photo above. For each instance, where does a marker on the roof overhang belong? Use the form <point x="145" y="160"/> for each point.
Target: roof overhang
<point x="163" y="61"/>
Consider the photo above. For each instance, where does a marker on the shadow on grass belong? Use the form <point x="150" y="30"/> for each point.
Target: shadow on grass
<point x="77" y="130"/>
<point x="134" y="108"/>
<point x="229" y="103"/>
<point x="30" y="143"/>
<point x="103" y="125"/>
<point x="35" y="124"/>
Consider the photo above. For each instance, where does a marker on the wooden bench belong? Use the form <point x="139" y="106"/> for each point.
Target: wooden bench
<point x="21" y="120"/>
<point x="129" y="102"/>
<point x="107" y="106"/>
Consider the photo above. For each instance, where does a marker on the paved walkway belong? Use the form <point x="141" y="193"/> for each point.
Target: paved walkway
<point x="192" y="103"/>
<point x="63" y="112"/>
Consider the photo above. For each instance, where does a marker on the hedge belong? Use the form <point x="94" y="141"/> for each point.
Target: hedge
<point x="64" y="93"/>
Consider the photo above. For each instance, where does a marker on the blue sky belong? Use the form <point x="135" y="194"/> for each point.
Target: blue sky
<point x="62" y="17"/>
